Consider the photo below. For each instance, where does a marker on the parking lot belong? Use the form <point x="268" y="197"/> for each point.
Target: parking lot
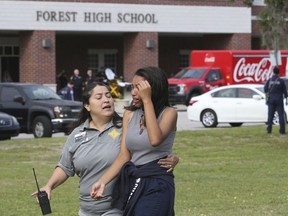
<point x="182" y="124"/>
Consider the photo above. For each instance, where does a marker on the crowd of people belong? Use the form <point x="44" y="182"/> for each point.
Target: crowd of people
<point x="72" y="88"/>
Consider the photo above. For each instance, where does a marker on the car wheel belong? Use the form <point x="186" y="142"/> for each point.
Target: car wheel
<point x="209" y="118"/>
<point x="42" y="127"/>
<point x="235" y="124"/>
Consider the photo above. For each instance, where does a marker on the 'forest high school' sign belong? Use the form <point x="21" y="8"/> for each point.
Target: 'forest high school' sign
<point x="106" y="17"/>
<point x="95" y="17"/>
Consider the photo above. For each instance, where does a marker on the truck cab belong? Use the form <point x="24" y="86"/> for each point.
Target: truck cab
<point x="193" y="81"/>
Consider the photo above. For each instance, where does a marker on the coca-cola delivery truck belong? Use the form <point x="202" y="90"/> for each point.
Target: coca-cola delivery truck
<point x="210" y="69"/>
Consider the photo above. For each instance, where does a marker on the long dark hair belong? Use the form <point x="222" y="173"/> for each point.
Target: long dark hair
<point x="159" y="85"/>
<point x="84" y="114"/>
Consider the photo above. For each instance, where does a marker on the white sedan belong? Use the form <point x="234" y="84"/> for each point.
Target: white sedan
<point x="233" y="104"/>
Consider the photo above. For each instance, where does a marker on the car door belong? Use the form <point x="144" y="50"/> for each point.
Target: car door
<point x="224" y="103"/>
<point x="10" y="106"/>
<point x="249" y="109"/>
<point x="213" y="79"/>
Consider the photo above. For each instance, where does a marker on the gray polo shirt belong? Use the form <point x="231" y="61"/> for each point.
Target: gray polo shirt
<point x="88" y="153"/>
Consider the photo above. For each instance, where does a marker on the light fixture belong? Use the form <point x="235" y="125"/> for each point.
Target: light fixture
<point x="150" y="44"/>
<point x="46" y="43"/>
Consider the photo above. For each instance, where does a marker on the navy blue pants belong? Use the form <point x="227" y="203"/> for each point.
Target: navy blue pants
<point x="276" y="105"/>
<point x="156" y="199"/>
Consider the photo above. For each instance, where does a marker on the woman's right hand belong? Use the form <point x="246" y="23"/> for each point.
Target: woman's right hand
<point x="97" y="190"/>
<point x="45" y="188"/>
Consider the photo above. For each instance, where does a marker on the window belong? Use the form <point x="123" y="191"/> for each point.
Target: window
<point x="93" y="62"/>
<point x="8" y="94"/>
<point x="102" y="59"/>
<point x="214" y="75"/>
<point x="225" y="93"/>
<point x="191" y="73"/>
<point x="246" y="93"/>
<point x="110" y="61"/>
<point x="9" y="50"/>
<point x="184" y="58"/>
<point x="259" y="2"/>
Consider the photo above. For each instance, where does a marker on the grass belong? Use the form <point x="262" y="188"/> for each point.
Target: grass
<point x="222" y="172"/>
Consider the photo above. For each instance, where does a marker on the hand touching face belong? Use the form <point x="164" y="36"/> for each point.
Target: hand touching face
<point x="141" y="90"/>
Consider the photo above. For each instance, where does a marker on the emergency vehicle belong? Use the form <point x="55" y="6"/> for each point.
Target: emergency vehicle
<point x="210" y="69"/>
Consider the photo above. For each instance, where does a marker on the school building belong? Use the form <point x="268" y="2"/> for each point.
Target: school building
<point x="38" y="39"/>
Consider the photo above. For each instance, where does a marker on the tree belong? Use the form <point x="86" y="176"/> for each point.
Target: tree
<point x="272" y="23"/>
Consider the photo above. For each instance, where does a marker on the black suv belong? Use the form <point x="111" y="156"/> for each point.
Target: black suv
<point x="38" y="109"/>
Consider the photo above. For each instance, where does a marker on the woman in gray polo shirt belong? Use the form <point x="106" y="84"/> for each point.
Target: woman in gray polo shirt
<point x="90" y="149"/>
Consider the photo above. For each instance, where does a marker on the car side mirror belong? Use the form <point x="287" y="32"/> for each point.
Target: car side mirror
<point x="257" y="97"/>
<point x="19" y="99"/>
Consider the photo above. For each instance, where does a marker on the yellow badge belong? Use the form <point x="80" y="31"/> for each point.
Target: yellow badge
<point x="114" y="133"/>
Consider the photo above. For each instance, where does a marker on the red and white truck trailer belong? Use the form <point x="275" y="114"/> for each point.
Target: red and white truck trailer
<point x="210" y="69"/>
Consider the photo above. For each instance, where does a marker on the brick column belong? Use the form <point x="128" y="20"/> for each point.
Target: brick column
<point x="140" y="50"/>
<point x="37" y="57"/>
<point x="239" y="42"/>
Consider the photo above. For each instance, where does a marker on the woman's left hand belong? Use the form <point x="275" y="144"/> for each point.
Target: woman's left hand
<point x="169" y="162"/>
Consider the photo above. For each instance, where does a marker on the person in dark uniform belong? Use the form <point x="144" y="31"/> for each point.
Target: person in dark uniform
<point x="78" y="85"/>
<point x="62" y="80"/>
<point x="276" y="89"/>
<point x="67" y="92"/>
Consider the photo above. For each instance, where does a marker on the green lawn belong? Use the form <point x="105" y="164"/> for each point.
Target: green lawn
<point x="231" y="171"/>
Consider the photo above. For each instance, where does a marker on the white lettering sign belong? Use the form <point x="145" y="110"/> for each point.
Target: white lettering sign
<point x="108" y="17"/>
<point x="210" y="59"/>
<point x="252" y="72"/>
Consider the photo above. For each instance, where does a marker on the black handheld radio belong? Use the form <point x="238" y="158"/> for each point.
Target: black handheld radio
<point x="42" y="198"/>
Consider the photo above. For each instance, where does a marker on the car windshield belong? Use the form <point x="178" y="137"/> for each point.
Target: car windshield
<point x="191" y="73"/>
<point x="40" y="93"/>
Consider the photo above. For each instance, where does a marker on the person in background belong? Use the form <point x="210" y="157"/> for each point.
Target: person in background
<point x="90" y="149"/>
<point x="62" y="80"/>
<point x="149" y="127"/>
<point x="89" y="78"/>
<point x="276" y="90"/>
<point x="100" y="75"/>
<point x="78" y="85"/>
<point x="67" y="92"/>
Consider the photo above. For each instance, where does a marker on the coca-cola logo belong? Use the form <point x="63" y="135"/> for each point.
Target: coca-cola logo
<point x="252" y="72"/>
<point x="209" y="59"/>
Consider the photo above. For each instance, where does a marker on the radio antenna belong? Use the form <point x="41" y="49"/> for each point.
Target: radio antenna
<point x="36" y="180"/>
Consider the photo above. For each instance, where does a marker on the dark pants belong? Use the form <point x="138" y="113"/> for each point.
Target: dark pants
<point x="279" y="107"/>
<point x="156" y="199"/>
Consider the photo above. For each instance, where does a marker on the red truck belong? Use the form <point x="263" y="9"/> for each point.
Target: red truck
<point x="210" y="69"/>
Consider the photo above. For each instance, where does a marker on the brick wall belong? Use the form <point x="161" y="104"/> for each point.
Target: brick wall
<point x="239" y="41"/>
<point x="37" y="64"/>
<point x="136" y="54"/>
